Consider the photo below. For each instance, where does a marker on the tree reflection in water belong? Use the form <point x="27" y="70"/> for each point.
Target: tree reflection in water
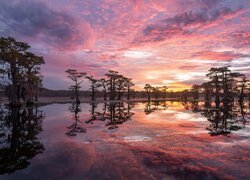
<point x="18" y="137"/>
<point x="113" y="114"/>
<point x="223" y="118"/>
<point x="152" y="106"/>
<point x="76" y="126"/>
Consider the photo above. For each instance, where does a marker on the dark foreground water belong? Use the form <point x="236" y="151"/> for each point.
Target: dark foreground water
<point x="157" y="140"/>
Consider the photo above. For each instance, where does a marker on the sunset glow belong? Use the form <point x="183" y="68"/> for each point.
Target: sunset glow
<point x="160" y="42"/>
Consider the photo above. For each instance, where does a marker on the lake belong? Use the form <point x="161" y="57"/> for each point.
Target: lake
<point x="142" y="140"/>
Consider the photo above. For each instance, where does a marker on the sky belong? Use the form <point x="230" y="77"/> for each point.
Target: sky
<point x="160" y="42"/>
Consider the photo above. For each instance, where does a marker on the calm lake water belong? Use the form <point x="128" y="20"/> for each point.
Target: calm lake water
<point x="157" y="140"/>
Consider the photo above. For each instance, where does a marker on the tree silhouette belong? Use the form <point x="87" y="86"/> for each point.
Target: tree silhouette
<point x="19" y="142"/>
<point x="148" y="89"/>
<point x="104" y="84"/>
<point x="76" y="77"/>
<point x="128" y="84"/>
<point x="225" y="84"/>
<point x="75" y="127"/>
<point x="215" y="82"/>
<point x="243" y="85"/>
<point x="96" y="115"/>
<point x="93" y="87"/>
<point x="195" y="90"/>
<point x="34" y="79"/>
<point x="20" y="68"/>
<point x="152" y="106"/>
<point x="120" y="86"/>
<point x="114" y="114"/>
<point x="156" y="91"/>
<point x="223" y="120"/>
<point x="118" y="114"/>
<point x="164" y="90"/>
<point x="112" y="76"/>
<point x="184" y="95"/>
<point x="207" y="91"/>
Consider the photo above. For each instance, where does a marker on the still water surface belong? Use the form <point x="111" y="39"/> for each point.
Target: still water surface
<point x="164" y="140"/>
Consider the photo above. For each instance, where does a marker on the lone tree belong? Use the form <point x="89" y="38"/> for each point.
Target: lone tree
<point x="76" y="77"/>
<point x="93" y="87"/>
<point x="19" y="67"/>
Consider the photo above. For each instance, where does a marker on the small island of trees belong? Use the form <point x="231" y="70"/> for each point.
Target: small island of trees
<point x="115" y="85"/>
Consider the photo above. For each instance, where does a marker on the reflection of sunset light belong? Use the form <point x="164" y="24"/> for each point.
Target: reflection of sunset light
<point x="137" y="54"/>
<point x="189" y="117"/>
<point x="136" y="138"/>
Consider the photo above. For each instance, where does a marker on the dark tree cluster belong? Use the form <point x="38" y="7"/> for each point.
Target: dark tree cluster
<point x="114" y="114"/>
<point x="19" y="141"/>
<point x="152" y="106"/>
<point x="224" y="86"/>
<point x="19" y="71"/>
<point x="115" y="85"/>
<point x="227" y="118"/>
<point x="155" y="91"/>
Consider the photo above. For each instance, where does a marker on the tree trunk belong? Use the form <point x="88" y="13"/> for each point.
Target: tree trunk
<point x="128" y="97"/>
<point x="77" y="97"/>
<point x="241" y="97"/>
<point x="14" y="100"/>
<point x="30" y="96"/>
<point x="148" y="94"/>
<point x="93" y="93"/>
<point x="105" y="94"/>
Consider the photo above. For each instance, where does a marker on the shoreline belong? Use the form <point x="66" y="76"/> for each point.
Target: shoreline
<point x="62" y="100"/>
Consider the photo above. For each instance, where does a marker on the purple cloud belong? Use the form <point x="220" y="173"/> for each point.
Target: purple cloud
<point x="186" y="22"/>
<point x="35" y="20"/>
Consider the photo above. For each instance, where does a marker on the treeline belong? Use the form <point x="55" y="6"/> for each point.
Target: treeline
<point x="114" y="85"/>
<point x="223" y="86"/>
<point x="155" y="91"/>
<point x="44" y="92"/>
<point x="20" y="77"/>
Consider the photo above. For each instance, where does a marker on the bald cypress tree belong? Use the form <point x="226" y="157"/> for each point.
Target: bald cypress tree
<point x="112" y="78"/>
<point x="93" y="86"/>
<point x="77" y="78"/>
<point x="19" y="67"/>
<point x="104" y="84"/>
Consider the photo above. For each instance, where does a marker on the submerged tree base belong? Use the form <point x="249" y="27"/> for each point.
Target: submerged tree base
<point x="11" y="105"/>
<point x="29" y="104"/>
